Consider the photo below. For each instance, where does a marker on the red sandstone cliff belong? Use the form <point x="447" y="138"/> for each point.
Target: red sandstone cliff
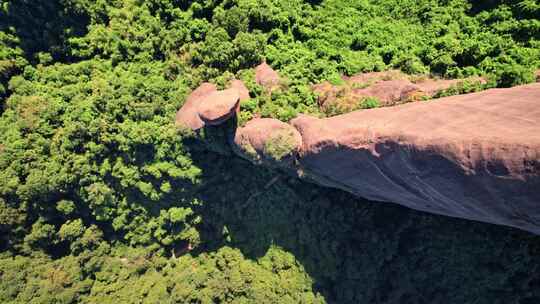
<point x="474" y="156"/>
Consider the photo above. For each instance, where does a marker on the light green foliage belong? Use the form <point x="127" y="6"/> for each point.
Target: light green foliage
<point x="467" y="86"/>
<point x="176" y="225"/>
<point x="225" y="276"/>
<point x="337" y="108"/>
<point x="41" y="280"/>
<point x="71" y="230"/>
<point x="369" y="103"/>
<point x="248" y="149"/>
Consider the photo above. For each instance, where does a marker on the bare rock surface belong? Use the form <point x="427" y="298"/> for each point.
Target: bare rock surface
<point x="243" y="91"/>
<point x="474" y="156"/>
<point x="389" y="91"/>
<point x="386" y="86"/>
<point x="266" y="76"/>
<point x="187" y="116"/>
<point x="217" y="107"/>
<point x="208" y="106"/>
<point x="267" y="139"/>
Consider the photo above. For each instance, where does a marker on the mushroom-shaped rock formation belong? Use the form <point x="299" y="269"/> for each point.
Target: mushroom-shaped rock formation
<point x="267" y="140"/>
<point x="266" y="76"/>
<point x="217" y="107"/>
<point x="473" y="156"/>
<point x="243" y="91"/>
<point x="187" y="116"/>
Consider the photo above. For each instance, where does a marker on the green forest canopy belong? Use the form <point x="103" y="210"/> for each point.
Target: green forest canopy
<point x="103" y="200"/>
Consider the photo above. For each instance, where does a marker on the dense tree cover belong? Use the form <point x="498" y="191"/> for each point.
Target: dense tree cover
<point x="103" y="200"/>
<point x="307" y="41"/>
<point x="268" y="240"/>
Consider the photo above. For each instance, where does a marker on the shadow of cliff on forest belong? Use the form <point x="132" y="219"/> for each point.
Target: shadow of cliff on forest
<point x="426" y="179"/>
<point x="358" y="251"/>
<point x="44" y="26"/>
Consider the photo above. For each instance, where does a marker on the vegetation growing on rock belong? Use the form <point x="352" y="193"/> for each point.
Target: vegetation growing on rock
<point x="281" y="144"/>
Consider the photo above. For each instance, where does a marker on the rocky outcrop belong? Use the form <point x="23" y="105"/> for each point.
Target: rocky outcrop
<point x="217" y="107"/>
<point x="267" y="140"/>
<point x="431" y="87"/>
<point x="208" y="106"/>
<point x="389" y="92"/>
<point x="473" y="156"/>
<point x="188" y="116"/>
<point x="266" y="76"/>
<point x="239" y="85"/>
<point x="374" y="77"/>
<point x="388" y="87"/>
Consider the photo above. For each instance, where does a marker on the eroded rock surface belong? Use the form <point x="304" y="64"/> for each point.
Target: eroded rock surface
<point x="239" y="85"/>
<point x="187" y="116"/>
<point x="389" y="92"/>
<point x="388" y="87"/>
<point x="208" y="106"/>
<point x="374" y="77"/>
<point x="266" y="76"/>
<point x="217" y="107"/>
<point x="474" y="156"/>
<point x="431" y="87"/>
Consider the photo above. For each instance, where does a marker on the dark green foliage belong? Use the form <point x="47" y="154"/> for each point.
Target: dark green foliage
<point x="268" y="237"/>
<point x="369" y="103"/>
<point x="42" y="27"/>
<point x="103" y="200"/>
<point x="101" y="144"/>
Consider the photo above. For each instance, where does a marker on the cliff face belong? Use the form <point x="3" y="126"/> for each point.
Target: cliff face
<point x="474" y="156"/>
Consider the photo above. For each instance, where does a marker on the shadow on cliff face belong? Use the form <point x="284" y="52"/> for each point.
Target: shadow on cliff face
<point x="428" y="180"/>
<point x="358" y="251"/>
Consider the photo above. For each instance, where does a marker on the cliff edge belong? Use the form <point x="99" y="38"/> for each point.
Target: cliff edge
<point x="473" y="156"/>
